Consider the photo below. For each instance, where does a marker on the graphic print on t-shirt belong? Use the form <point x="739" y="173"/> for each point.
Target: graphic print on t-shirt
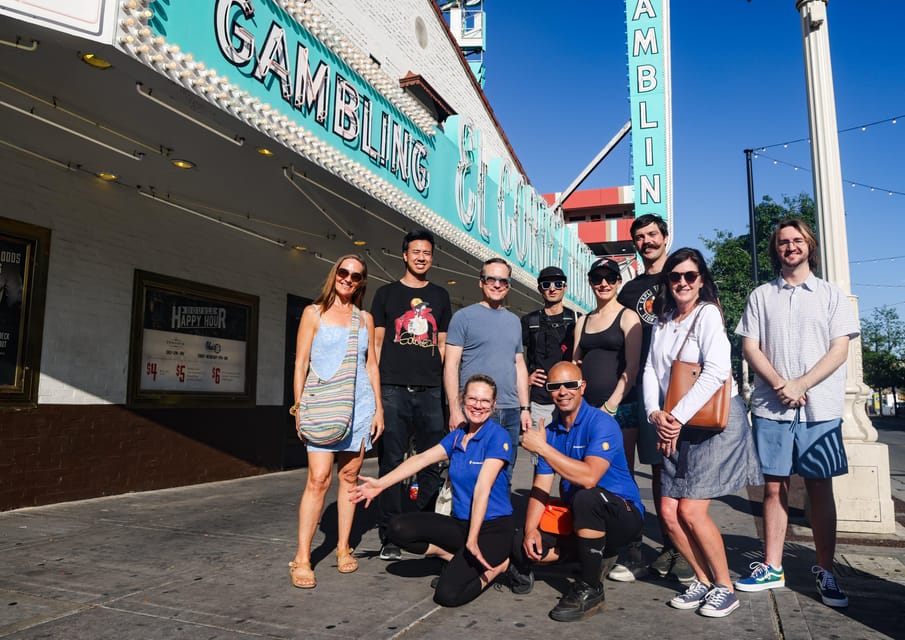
<point x="417" y="326"/>
<point x="645" y="306"/>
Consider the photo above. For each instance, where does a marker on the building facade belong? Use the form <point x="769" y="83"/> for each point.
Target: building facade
<point x="178" y="179"/>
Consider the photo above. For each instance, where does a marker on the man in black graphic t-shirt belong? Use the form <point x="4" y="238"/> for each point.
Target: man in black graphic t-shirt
<point x="411" y="317"/>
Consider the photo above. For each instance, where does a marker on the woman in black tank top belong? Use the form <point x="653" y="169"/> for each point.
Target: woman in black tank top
<point x="608" y="347"/>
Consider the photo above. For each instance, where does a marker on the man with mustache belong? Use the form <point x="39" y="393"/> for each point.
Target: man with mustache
<point x="795" y="335"/>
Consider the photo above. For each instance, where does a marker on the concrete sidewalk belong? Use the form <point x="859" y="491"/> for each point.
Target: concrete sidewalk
<point x="210" y="561"/>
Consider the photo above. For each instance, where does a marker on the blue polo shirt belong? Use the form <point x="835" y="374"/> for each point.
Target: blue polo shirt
<point x="594" y="433"/>
<point x="491" y="441"/>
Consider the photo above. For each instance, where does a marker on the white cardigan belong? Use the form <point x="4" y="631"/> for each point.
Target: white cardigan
<point x="709" y="338"/>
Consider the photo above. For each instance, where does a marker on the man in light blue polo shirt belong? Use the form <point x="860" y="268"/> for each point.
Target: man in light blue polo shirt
<point x="795" y="334"/>
<point x="584" y="446"/>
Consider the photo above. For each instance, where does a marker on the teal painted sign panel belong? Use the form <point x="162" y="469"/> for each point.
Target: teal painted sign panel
<point x="647" y="30"/>
<point x="261" y="50"/>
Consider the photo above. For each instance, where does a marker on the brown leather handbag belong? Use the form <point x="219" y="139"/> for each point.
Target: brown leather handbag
<point x="682" y="376"/>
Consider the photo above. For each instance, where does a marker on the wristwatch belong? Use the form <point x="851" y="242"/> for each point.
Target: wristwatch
<point x="525" y="408"/>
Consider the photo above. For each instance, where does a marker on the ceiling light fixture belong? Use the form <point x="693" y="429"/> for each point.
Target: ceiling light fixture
<point x="264" y="151"/>
<point x="359" y="243"/>
<point x="106" y="176"/>
<point x="95" y="61"/>
<point x="182" y="164"/>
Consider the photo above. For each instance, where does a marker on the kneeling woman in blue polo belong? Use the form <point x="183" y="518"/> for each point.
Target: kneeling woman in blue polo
<point x="475" y="541"/>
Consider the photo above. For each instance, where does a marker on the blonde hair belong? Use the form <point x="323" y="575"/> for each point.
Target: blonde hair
<point x="328" y="292"/>
<point x="807" y="233"/>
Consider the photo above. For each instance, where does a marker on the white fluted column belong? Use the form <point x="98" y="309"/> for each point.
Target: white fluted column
<point x="863" y="497"/>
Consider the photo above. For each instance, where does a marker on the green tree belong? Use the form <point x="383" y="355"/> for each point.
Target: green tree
<point x="884" y="331"/>
<point x="731" y="262"/>
<point x="883" y="350"/>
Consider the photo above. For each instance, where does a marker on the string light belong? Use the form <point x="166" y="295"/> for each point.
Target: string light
<point x="861" y="127"/>
<point x="866" y="260"/>
<point x="853" y="183"/>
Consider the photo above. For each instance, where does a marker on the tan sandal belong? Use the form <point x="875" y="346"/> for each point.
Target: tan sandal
<point x="302" y="575"/>
<point x="345" y="561"/>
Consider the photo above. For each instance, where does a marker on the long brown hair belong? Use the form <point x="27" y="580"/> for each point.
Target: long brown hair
<point x="328" y="292"/>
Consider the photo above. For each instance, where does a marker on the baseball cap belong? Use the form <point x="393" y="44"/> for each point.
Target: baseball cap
<point x="551" y="273"/>
<point x="605" y="264"/>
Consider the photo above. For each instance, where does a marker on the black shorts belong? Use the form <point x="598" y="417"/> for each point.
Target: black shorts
<point x="599" y="510"/>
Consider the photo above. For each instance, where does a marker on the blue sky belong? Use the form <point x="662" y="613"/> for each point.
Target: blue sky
<point x="557" y="81"/>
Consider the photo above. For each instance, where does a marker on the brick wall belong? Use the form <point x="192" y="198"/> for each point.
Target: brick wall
<point x="66" y="452"/>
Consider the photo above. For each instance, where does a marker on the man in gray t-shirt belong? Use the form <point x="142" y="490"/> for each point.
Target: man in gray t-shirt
<point x="487" y="338"/>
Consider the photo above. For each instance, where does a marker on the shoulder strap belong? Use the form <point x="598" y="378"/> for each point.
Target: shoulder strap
<point x="691" y="329"/>
<point x="568" y="315"/>
<point x="695" y="321"/>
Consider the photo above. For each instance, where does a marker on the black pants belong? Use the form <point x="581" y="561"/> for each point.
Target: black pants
<point x="460" y="580"/>
<point x="599" y="510"/>
<point x="417" y="413"/>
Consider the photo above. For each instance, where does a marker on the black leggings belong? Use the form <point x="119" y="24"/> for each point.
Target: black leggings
<point x="460" y="580"/>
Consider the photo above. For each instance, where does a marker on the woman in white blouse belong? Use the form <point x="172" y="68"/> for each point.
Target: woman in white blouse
<point x="698" y="463"/>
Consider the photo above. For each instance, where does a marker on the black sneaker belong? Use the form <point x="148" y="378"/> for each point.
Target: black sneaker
<point x="662" y="565"/>
<point x="581" y="601"/>
<point x="520" y="583"/>
<point x="390" y="551"/>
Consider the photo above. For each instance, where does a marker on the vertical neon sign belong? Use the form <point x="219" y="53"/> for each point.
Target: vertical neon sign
<point x="647" y="28"/>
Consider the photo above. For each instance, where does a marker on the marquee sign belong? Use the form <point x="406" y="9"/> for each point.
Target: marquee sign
<point x="650" y="96"/>
<point x="279" y="69"/>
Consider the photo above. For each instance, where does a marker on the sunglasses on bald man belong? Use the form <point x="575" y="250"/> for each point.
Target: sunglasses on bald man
<point x="566" y="384"/>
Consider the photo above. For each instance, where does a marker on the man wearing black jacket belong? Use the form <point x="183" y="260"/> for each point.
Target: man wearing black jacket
<point x="548" y="335"/>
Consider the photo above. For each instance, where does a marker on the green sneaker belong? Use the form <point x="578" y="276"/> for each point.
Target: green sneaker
<point x="762" y="577"/>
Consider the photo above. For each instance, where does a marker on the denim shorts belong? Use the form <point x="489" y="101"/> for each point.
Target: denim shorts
<point x="810" y="449"/>
<point x="627" y="415"/>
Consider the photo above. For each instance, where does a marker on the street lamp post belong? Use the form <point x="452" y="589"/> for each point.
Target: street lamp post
<point x="751" y="218"/>
<point x="863" y="496"/>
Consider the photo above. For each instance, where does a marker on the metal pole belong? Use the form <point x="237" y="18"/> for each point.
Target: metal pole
<point x="593" y="164"/>
<point x="754" y="271"/>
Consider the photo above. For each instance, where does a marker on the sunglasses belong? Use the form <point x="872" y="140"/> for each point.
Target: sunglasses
<point x="556" y="284"/>
<point x="567" y="384"/>
<point x="503" y="282"/>
<point x="354" y="276"/>
<point x="690" y="276"/>
<point x="599" y="276"/>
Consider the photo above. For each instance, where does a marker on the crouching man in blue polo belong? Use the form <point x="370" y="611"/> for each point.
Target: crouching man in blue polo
<point x="584" y="446"/>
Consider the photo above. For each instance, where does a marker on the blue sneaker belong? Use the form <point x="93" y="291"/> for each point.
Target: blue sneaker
<point x="719" y="602"/>
<point x="692" y="598"/>
<point x="762" y="577"/>
<point x="830" y="592"/>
